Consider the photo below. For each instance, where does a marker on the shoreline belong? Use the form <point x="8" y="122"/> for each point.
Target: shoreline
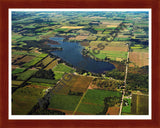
<point x="115" y="63"/>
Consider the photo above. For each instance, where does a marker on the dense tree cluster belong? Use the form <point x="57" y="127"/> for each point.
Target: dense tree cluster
<point x="109" y="84"/>
<point x="115" y="74"/>
<point x="137" y="82"/>
<point x="45" y="74"/>
<point x="144" y="44"/>
<point x="109" y="102"/>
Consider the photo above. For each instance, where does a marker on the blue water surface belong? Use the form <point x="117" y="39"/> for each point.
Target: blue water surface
<point x="71" y="53"/>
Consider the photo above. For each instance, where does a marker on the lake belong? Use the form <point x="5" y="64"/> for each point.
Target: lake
<point x="71" y="53"/>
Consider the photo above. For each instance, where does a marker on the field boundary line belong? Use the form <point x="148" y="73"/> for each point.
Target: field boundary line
<point x="80" y="101"/>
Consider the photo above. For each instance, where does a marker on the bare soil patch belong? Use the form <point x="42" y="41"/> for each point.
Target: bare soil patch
<point x="113" y="111"/>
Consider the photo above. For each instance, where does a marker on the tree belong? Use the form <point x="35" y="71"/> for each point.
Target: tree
<point x="46" y="74"/>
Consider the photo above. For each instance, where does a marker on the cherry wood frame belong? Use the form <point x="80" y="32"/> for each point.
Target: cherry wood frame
<point x="6" y="4"/>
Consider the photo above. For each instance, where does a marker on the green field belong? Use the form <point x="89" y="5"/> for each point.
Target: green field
<point x="25" y="75"/>
<point x="58" y="75"/>
<point x="136" y="46"/>
<point x="97" y="96"/>
<point x="139" y="48"/>
<point x="93" y="101"/>
<point x="16" y="36"/>
<point x="24" y="99"/>
<point x="126" y="109"/>
<point x="65" y="102"/>
<point x="18" y="70"/>
<point x="30" y="26"/>
<point x="25" y="38"/>
<point x="17" y="83"/>
<point x="35" y="60"/>
<point x="24" y="53"/>
<point x="90" y="109"/>
<point x="40" y="80"/>
<point x="74" y="34"/>
<point x="110" y="54"/>
<point x="121" y="39"/>
<point x="41" y="84"/>
<point x="63" y="68"/>
<point x="61" y="29"/>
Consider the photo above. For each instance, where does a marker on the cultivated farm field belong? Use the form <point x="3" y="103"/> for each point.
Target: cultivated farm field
<point x="24" y="99"/>
<point x="18" y="70"/>
<point x="64" y="102"/>
<point x="93" y="101"/>
<point x="45" y="61"/>
<point x="24" y="59"/>
<point x="63" y="68"/>
<point x="139" y="58"/>
<point x="113" y="50"/>
<point x="25" y="75"/>
<point x="52" y="65"/>
<point x="76" y="84"/>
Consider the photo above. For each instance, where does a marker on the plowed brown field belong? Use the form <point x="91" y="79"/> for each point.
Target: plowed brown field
<point x="113" y="111"/>
<point x="139" y="58"/>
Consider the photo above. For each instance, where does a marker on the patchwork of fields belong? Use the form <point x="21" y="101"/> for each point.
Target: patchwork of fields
<point x="44" y="83"/>
<point x="94" y="101"/>
<point x="112" y="50"/>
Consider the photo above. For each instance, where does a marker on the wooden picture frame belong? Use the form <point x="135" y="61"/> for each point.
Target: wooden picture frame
<point x="154" y="5"/>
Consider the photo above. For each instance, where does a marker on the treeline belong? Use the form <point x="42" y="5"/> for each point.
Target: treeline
<point x="109" y="84"/>
<point x="46" y="112"/>
<point x="38" y="44"/>
<point x="138" y="41"/>
<point x="136" y="70"/>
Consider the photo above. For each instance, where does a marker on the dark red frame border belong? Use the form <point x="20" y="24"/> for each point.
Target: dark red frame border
<point x="6" y="4"/>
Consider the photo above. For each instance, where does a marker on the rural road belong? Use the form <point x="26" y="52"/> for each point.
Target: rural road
<point x="123" y="91"/>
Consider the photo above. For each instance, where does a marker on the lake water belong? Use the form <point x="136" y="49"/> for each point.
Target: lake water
<point x="71" y="53"/>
